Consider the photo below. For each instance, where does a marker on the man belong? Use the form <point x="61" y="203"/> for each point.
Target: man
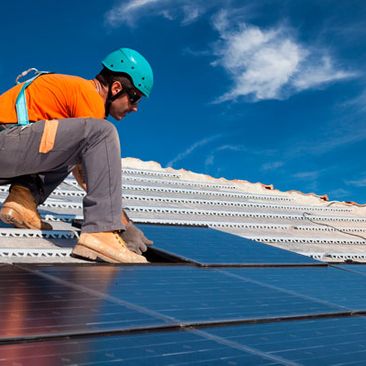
<point x="71" y="130"/>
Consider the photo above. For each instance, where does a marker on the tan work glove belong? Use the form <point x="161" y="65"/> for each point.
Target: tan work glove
<point x="134" y="238"/>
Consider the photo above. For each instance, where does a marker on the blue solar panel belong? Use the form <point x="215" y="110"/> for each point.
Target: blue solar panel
<point x="188" y="294"/>
<point x="336" y="341"/>
<point x="356" y="268"/>
<point x="34" y="306"/>
<point x="168" y="348"/>
<point x="343" y="289"/>
<point x="212" y="247"/>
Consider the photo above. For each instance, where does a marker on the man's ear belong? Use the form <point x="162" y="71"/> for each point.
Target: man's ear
<point x="116" y="87"/>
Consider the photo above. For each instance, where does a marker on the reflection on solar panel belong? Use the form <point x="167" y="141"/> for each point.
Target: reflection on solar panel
<point x="192" y="295"/>
<point x="169" y="348"/>
<point x="32" y="306"/>
<point x="167" y="314"/>
<point x="212" y="247"/>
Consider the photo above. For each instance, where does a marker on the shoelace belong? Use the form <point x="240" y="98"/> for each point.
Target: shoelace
<point x="120" y="240"/>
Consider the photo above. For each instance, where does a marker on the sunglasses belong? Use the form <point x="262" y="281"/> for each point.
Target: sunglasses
<point x="133" y="96"/>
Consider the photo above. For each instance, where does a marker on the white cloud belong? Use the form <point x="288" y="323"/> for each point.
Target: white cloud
<point x="269" y="63"/>
<point x="357" y="182"/>
<point x="307" y="175"/>
<point x="129" y="12"/>
<point x="272" y="165"/>
<point x="191" y="149"/>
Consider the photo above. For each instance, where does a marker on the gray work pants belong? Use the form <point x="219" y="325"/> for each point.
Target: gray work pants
<point x="91" y="142"/>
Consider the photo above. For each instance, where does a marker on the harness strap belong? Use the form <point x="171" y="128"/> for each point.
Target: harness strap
<point x="21" y="101"/>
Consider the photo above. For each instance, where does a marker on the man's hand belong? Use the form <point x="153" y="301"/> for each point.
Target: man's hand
<point x="135" y="239"/>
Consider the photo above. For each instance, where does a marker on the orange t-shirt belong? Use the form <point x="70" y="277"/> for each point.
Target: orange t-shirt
<point x="54" y="96"/>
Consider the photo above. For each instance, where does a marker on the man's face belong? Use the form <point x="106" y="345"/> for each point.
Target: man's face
<point x="121" y="106"/>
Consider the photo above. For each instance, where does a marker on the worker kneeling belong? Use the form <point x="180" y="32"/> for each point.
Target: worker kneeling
<point x="71" y="134"/>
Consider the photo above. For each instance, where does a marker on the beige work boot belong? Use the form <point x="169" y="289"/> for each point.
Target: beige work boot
<point x="107" y="246"/>
<point x="20" y="210"/>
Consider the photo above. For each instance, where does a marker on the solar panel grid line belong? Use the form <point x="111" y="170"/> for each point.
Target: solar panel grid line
<point x="198" y="201"/>
<point x="203" y="192"/>
<point x="323" y="342"/>
<point x="195" y="211"/>
<point x="293" y="293"/>
<point x="169" y="348"/>
<point x="345" y="289"/>
<point x="277" y="359"/>
<point x="196" y="299"/>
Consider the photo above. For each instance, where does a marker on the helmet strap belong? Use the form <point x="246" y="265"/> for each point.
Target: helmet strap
<point x="111" y="98"/>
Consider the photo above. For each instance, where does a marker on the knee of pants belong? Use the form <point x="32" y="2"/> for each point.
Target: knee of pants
<point x="102" y="129"/>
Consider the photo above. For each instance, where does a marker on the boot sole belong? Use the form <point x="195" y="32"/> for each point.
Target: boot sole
<point x="80" y="251"/>
<point x="11" y="217"/>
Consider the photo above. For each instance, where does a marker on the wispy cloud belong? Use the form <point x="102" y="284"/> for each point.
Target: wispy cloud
<point x="307" y="175"/>
<point x="192" y="148"/>
<point x="129" y="12"/>
<point x="272" y="165"/>
<point x="270" y="63"/>
<point x="361" y="182"/>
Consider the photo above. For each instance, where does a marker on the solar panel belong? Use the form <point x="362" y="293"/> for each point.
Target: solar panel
<point x="335" y="341"/>
<point x="191" y="295"/>
<point x="357" y="268"/>
<point x="212" y="247"/>
<point x="31" y="306"/>
<point x="333" y="286"/>
<point x="168" y="348"/>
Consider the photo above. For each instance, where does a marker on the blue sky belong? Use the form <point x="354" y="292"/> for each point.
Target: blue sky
<point x="266" y="91"/>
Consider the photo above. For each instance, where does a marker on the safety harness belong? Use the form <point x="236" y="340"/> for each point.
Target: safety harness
<point x="21" y="101"/>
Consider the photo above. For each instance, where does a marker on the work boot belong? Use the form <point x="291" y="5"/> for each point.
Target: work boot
<point x="20" y="210"/>
<point x="107" y="246"/>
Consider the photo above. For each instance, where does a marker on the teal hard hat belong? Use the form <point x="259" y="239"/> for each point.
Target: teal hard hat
<point x="135" y="65"/>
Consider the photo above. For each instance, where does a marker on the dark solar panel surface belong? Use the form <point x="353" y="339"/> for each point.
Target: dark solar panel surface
<point x="334" y="341"/>
<point x="331" y="285"/>
<point x="67" y="300"/>
<point x="168" y="348"/>
<point x="31" y="306"/>
<point x="190" y="294"/>
<point x="356" y="268"/>
<point x="213" y="247"/>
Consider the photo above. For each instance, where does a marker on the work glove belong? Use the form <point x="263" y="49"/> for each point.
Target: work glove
<point x="135" y="239"/>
